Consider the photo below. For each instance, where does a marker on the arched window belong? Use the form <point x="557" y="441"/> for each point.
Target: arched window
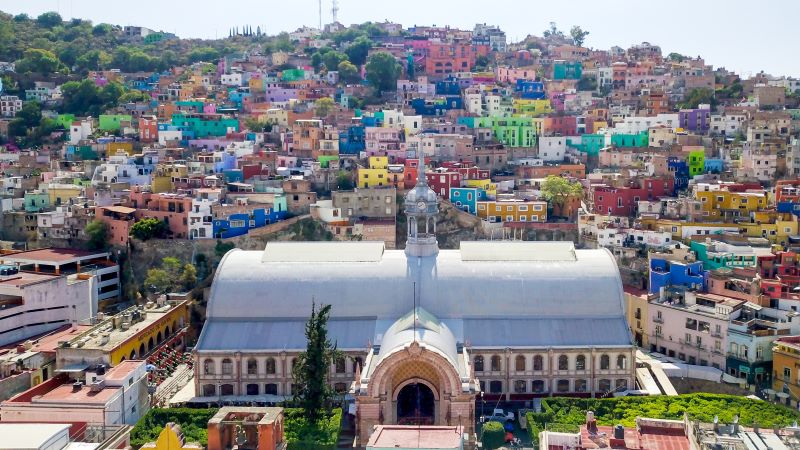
<point x="743" y="350"/>
<point x="208" y="367"/>
<point x="142" y="351"/>
<point x="209" y="390"/>
<point x="478" y="363"/>
<point x="339" y="365"/>
<point x="563" y="362"/>
<point x="562" y="386"/>
<point x="271" y="389"/>
<point x="227" y="367"/>
<point x="133" y="354"/>
<point x="520" y="386"/>
<point x="496" y="387"/>
<point x="226" y="389"/>
<point x="604" y="362"/>
<point x="580" y="362"/>
<point x="340" y="388"/>
<point x="605" y="385"/>
<point x="252" y="366"/>
<point x="495" y="363"/>
<point x="622" y="384"/>
<point x="520" y="363"/>
<point x="622" y="362"/>
<point x="580" y="385"/>
<point x="538" y="362"/>
<point x="252" y="389"/>
<point x="538" y="386"/>
<point x="357" y="362"/>
<point x="271" y="366"/>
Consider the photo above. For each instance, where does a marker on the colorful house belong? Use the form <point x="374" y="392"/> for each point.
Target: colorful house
<point x="630" y="140"/>
<point x="726" y="204"/>
<point x="665" y="273"/>
<point x="467" y="198"/>
<point x="113" y="122"/>
<point x="717" y="254"/>
<point x="501" y="211"/>
<point x="510" y="131"/>
<point x="204" y="125"/>
<point x="239" y="224"/>
<point x="563" y="70"/>
<point x="696" y="161"/>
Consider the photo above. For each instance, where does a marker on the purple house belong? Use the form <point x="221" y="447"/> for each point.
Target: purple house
<point x="280" y="94"/>
<point x="696" y="120"/>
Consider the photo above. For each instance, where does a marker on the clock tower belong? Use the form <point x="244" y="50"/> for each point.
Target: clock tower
<point x="421" y="208"/>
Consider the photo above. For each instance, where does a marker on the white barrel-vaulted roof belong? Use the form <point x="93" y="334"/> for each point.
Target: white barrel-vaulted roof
<point x="492" y="294"/>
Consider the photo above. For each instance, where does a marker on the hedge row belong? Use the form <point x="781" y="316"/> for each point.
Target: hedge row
<point x="302" y="435"/>
<point x="625" y="410"/>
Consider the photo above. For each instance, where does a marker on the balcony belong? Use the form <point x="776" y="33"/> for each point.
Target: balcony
<point x="658" y="319"/>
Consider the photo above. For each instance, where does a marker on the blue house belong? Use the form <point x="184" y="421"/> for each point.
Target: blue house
<point x="665" y="273"/>
<point x="680" y="169"/>
<point x="449" y="86"/>
<point x="241" y="223"/>
<point x="466" y="198"/>
<point x="530" y="89"/>
<point x="352" y="140"/>
<point x="713" y="165"/>
<point x="436" y="107"/>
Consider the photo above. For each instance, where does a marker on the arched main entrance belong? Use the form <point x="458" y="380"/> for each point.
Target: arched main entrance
<point x="415" y="405"/>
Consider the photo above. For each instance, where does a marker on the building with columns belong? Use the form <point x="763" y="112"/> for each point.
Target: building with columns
<point x="427" y="332"/>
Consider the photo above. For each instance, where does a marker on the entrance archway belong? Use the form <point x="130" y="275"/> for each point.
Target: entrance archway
<point x="415" y="405"/>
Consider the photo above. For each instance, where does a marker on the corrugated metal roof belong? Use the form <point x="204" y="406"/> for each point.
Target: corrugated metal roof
<point x="323" y="252"/>
<point x="563" y="332"/>
<point x="517" y="251"/>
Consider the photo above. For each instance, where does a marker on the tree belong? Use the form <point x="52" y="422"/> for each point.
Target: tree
<point x="493" y="435"/>
<point x="316" y="61"/>
<point x="348" y="73"/>
<point x="97" y="235"/>
<point x="557" y="190"/>
<point x="677" y="57"/>
<point x="332" y="59"/>
<point x="188" y="277"/>
<point x="49" y="19"/>
<point x="344" y="182"/>
<point x="102" y="29"/>
<point x="382" y="72"/>
<point x="587" y="83"/>
<point x="133" y="96"/>
<point x="697" y="97"/>
<point x="357" y="51"/>
<point x="93" y="60"/>
<point x="310" y="372"/>
<point x="148" y="228"/>
<point x="40" y="61"/>
<point x="158" y="281"/>
<point x="323" y="106"/>
<point x="553" y="32"/>
<point x="578" y="35"/>
<point x="31" y="114"/>
<point x="481" y="62"/>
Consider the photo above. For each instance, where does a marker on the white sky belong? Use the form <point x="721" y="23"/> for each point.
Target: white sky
<point x="743" y="35"/>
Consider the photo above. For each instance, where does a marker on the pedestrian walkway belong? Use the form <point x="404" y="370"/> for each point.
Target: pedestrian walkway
<point x="172" y="385"/>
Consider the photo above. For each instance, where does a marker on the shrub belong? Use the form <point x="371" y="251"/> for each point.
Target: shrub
<point x="493" y="435"/>
<point x="302" y="434"/>
<point x="193" y="422"/>
<point x="148" y="228"/>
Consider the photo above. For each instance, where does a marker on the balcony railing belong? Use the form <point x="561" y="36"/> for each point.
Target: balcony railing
<point x="657" y="319"/>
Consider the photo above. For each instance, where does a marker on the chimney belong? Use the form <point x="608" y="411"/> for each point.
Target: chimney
<point x="736" y="424"/>
<point x="591" y="422"/>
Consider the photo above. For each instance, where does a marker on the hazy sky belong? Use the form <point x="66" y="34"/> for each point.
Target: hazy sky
<point x="722" y="31"/>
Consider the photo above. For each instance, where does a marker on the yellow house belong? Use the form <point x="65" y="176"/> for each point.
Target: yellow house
<point x="171" y="438"/>
<point x="638" y="317"/>
<point x="60" y="194"/>
<point x="275" y="115"/>
<point x="256" y="84"/>
<point x="376" y="175"/>
<point x="531" y="107"/>
<point x="499" y="211"/>
<point x="115" y="147"/>
<point x="162" y="179"/>
<point x="786" y="366"/>
<point x="486" y="185"/>
<point x="716" y="204"/>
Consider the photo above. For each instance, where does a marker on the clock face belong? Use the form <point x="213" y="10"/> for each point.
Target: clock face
<point x="422" y="206"/>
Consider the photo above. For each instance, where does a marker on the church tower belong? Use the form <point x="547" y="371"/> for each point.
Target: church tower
<point x="421" y="208"/>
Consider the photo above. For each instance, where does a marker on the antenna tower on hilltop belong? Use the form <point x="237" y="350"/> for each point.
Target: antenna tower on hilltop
<point x="335" y="11"/>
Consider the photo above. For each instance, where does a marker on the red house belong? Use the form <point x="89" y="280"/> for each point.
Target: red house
<point x="560" y="126"/>
<point x="623" y="201"/>
<point x="441" y="181"/>
<point x="467" y="173"/>
<point x="148" y="128"/>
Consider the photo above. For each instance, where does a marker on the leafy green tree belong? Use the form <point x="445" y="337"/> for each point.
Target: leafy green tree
<point x="148" y="228"/>
<point x="93" y="60"/>
<point x="587" y="83"/>
<point x="493" y="435"/>
<point x="40" y="61"/>
<point x="31" y="114"/>
<point x="253" y="124"/>
<point x="49" y="19"/>
<point x="323" y="106"/>
<point x="357" y="51"/>
<point x="578" y="35"/>
<point x="133" y="96"/>
<point x="557" y="190"/>
<point x="332" y="59"/>
<point x="697" y="97"/>
<point x="158" y="281"/>
<point x="208" y="54"/>
<point x="97" y="235"/>
<point x="348" y="73"/>
<point x="553" y="32"/>
<point x="311" y="369"/>
<point x="344" y="182"/>
<point x="382" y="72"/>
<point x="316" y="61"/>
<point x="221" y="248"/>
<point x="188" y="277"/>
<point x="481" y="62"/>
<point x="677" y="57"/>
<point x="102" y="29"/>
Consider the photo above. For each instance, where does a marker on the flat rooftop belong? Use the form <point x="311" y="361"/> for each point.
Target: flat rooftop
<point x="650" y="438"/>
<point x="427" y="437"/>
<point x="43" y="343"/>
<point x="68" y="394"/>
<point x="93" y="338"/>
<point x="23" y="279"/>
<point x="52" y="256"/>
<point x="29" y="436"/>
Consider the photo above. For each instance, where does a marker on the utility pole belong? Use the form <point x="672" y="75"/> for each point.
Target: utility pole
<point x="320" y="15"/>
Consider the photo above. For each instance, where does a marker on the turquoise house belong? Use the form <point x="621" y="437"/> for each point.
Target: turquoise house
<point x="466" y="198"/>
<point x="629" y="140"/>
<point x="37" y="201"/>
<point x="589" y="144"/>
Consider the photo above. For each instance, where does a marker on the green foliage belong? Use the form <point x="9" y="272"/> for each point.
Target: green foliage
<point x="493" y="435"/>
<point x="303" y="434"/>
<point x="332" y="59"/>
<point x="31" y="114"/>
<point x="578" y="35"/>
<point x="207" y="54"/>
<point x="676" y="57"/>
<point x="193" y="423"/>
<point x="553" y="32"/>
<point x="310" y="372"/>
<point x="382" y="72"/>
<point x="587" y="83"/>
<point x="86" y="98"/>
<point x="253" y="124"/>
<point x="696" y="97"/>
<point x="221" y="248"/>
<point x="323" y="106"/>
<point x="357" y="51"/>
<point x="93" y="60"/>
<point x="625" y="410"/>
<point x="40" y="61"/>
<point x="134" y="96"/>
<point x="49" y="19"/>
<point x="557" y="190"/>
<point x="148" y="228"/>
<point x="348" y="73"/>
<point x="96" y="235"/>
<point x="344" y="181"/>
<point x="172" y="275"/>
<point x="481" y="62"/>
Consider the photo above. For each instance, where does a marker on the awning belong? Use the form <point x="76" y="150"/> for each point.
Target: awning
<point x="73" y="368"/>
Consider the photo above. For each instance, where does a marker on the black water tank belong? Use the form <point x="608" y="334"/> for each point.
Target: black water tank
<point x="619" y="432"/>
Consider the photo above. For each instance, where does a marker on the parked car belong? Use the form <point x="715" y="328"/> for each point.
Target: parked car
<point x="498" y="415"/>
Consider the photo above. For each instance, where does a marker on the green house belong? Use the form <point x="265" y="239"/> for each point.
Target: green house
<point x="629" y="140"/>
<point x="324" y="160"/>
<point x="563" y="70"/>
<point x="293" y="75"/>
<point x="113" y="122"/>
<point x="36" y="201"/>
<point x="696" y="159"/>
<point x="716" y="255"/>
<point x="65" y="120"/>
<point x="589" y="144"/>
<point x="510" y="131"/>
<point x="206" y="125"/>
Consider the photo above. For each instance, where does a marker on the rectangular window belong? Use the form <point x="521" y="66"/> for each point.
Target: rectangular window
<point x="237" y="223"/>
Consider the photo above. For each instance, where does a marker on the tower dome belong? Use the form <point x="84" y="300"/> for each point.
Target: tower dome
<point x="421" y="208"/>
